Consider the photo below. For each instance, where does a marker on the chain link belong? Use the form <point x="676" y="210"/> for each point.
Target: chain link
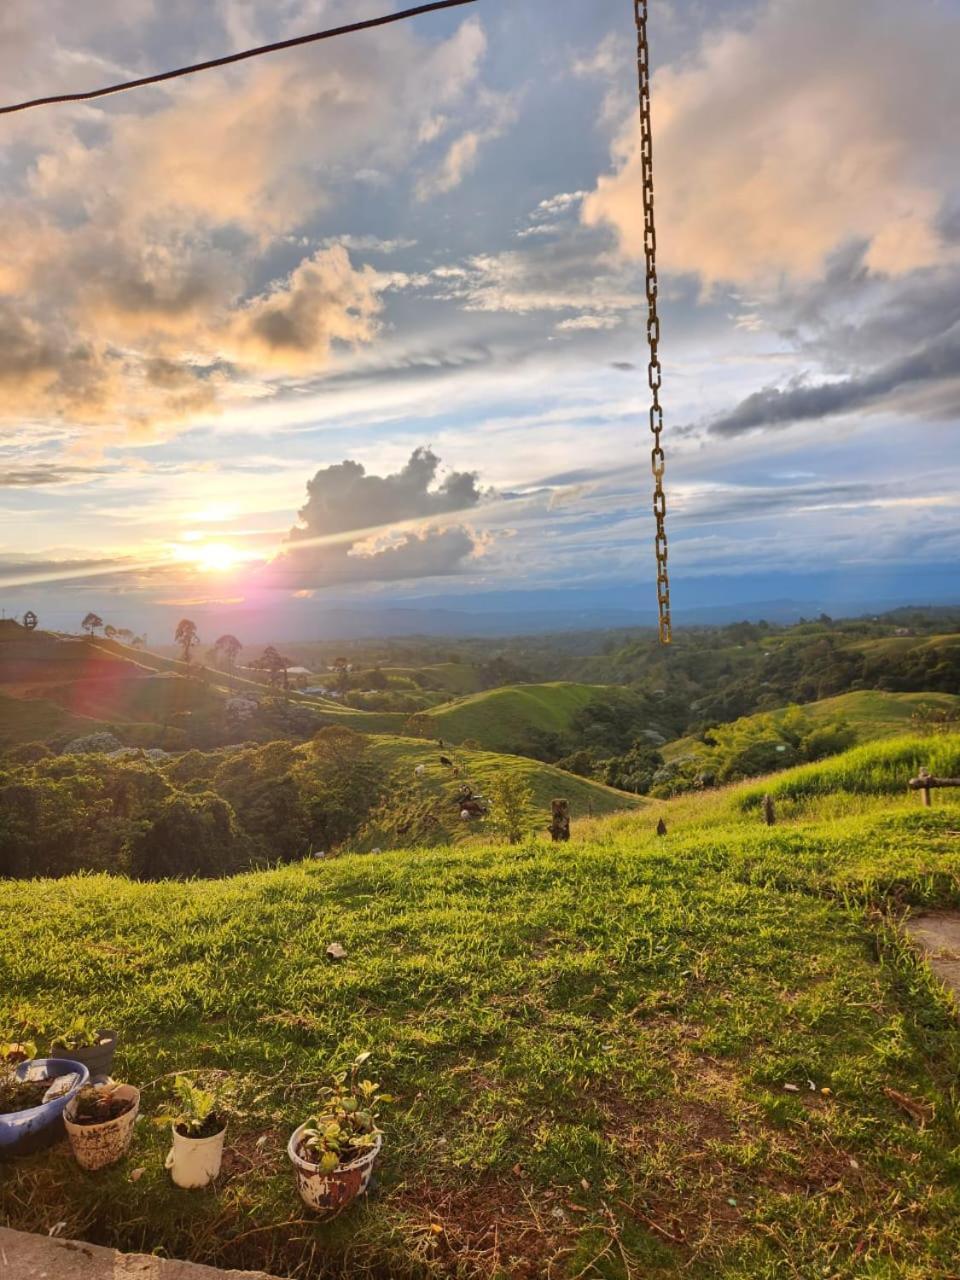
<point x="654" y="372"/>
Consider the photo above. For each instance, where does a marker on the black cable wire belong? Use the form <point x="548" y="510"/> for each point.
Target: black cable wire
<point x="238" y="57"/>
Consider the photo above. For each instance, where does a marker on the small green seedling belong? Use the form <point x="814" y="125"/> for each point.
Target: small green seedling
<point x="82" y="1033"/>
<point x="14" y="1047"/>
<point x="345" y="1124"/>
<point x="197" y="1116"/>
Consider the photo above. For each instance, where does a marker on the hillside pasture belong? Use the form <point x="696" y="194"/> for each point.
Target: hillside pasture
<point x="426" y="806"/>
<point x="709" y="1056"/>
<point x="503" y="719"/>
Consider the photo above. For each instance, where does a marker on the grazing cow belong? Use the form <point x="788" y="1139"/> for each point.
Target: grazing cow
<point x="420" y="770"/>
<point x="447" y="761"/>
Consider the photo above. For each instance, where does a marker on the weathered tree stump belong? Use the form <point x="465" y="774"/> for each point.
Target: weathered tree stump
<point x="560" y="826"/>
<point x="769" y="814"/>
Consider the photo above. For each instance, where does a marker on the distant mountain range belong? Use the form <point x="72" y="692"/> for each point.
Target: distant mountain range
<point x="484" y="611"/>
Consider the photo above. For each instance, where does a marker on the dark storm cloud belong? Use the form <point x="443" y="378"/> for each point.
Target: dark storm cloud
<point x="936" y="365"/>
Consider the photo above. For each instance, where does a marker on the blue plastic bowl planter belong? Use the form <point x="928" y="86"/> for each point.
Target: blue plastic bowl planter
<point x="23" y="1132"/>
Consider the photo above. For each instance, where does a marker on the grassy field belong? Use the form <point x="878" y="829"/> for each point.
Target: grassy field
<point x="626" y="1057"/>
<point x="37" y="719"/>
<point x="501" y="719"/>
<point x="454" y="678"/>
<point x="871" y="712"/>
<point x="434" y="793"/>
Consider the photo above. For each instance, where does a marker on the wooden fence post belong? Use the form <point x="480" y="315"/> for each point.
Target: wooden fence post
<point x="925" y="791"/>
<point x="560" y="826"/>
<point x="924" y="782"/>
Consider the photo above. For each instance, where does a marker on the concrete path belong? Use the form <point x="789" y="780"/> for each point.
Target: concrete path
<point x="937" y="934"/>
<point x="28" y="1257"/>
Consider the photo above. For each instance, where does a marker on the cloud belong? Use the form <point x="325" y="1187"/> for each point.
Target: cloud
<point x="344" y="499"/>
<point x="935" y="366"/>
<point x="146" y="267"/>
<point x="575" y="272"/>
<point x="31" y="477"/>
<point x="294" y="325"/>
<point x="817" y="124"/>
<point x="463" y="153"/>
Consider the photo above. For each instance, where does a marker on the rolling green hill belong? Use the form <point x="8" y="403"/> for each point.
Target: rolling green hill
<point x="502" y="719"/>
<point x="39" y="720"/>
<point x="424" y="808"/>
<point x="871" y="712"/>
<point x="710" y="1056"/>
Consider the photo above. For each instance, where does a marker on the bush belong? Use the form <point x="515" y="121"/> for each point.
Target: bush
<point x="511" y="799"/>
<point x="190" y="836"/>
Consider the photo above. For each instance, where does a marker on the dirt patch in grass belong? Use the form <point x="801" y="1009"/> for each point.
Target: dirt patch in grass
<point x="495" y="1226"/>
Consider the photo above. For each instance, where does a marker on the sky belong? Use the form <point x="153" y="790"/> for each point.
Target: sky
<point x="365" y="321"/>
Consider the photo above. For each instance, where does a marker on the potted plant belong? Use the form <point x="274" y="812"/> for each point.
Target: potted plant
<point x="99" y="1122"/>
<point x="32" y="1099"/>
<point x="14" y="1048"/>
<point x="85" y="1041"/>
<point x="334" y="1151"/>
<point x="199" y="1130"/>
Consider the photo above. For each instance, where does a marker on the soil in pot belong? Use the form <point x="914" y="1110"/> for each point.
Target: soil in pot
<point x="22" y="1095"/>
<point x="97" y="1106"/>
<point x="209" y="1129"/>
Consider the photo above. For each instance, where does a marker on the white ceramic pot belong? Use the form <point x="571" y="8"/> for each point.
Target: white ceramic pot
<point x="195" y="1162"/>
<point x="329" y="1193"/>
<point x="95" y="1146"/>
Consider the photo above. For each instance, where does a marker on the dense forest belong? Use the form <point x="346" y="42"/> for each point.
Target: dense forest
<point x="201" y="814"/>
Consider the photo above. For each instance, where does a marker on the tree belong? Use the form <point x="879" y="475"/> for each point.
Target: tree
<point x="273" y="663"/>
<point x="634" y="770"/>
<point x="125" y="634"/>
<point x="186" y="636"/>
<point x="92" y="623"/>
<point x="110" y="632"/>
<point x="227" y="650"/>
<point x="510" y="799"/>
<point x="191" y="835"/>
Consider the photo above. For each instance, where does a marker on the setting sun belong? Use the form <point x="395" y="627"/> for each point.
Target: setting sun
<point x="212" y="557"/>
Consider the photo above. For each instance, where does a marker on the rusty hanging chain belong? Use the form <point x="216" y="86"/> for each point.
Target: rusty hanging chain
<point x="654" y="374"/>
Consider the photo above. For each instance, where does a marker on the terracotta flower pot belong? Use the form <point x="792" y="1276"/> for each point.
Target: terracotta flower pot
<point x="95" y="1146"/>
<point x="330" y="1193"/>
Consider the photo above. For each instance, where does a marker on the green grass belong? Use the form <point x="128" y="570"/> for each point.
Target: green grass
<point x="434" y="793"/>
<point x="879" y="768"/>
<point x="38" y="719"/>
<point x="501" y="719"/>
<point x="588" y="1045"/>
<point x="871" y="712"/>
<point x="457" y="678"/>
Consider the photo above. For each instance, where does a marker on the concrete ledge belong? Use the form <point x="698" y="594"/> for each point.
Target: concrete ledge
<point x="29" y="1257"/>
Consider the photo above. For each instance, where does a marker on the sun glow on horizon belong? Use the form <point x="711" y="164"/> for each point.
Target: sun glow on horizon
<point x="211" y="557"/>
